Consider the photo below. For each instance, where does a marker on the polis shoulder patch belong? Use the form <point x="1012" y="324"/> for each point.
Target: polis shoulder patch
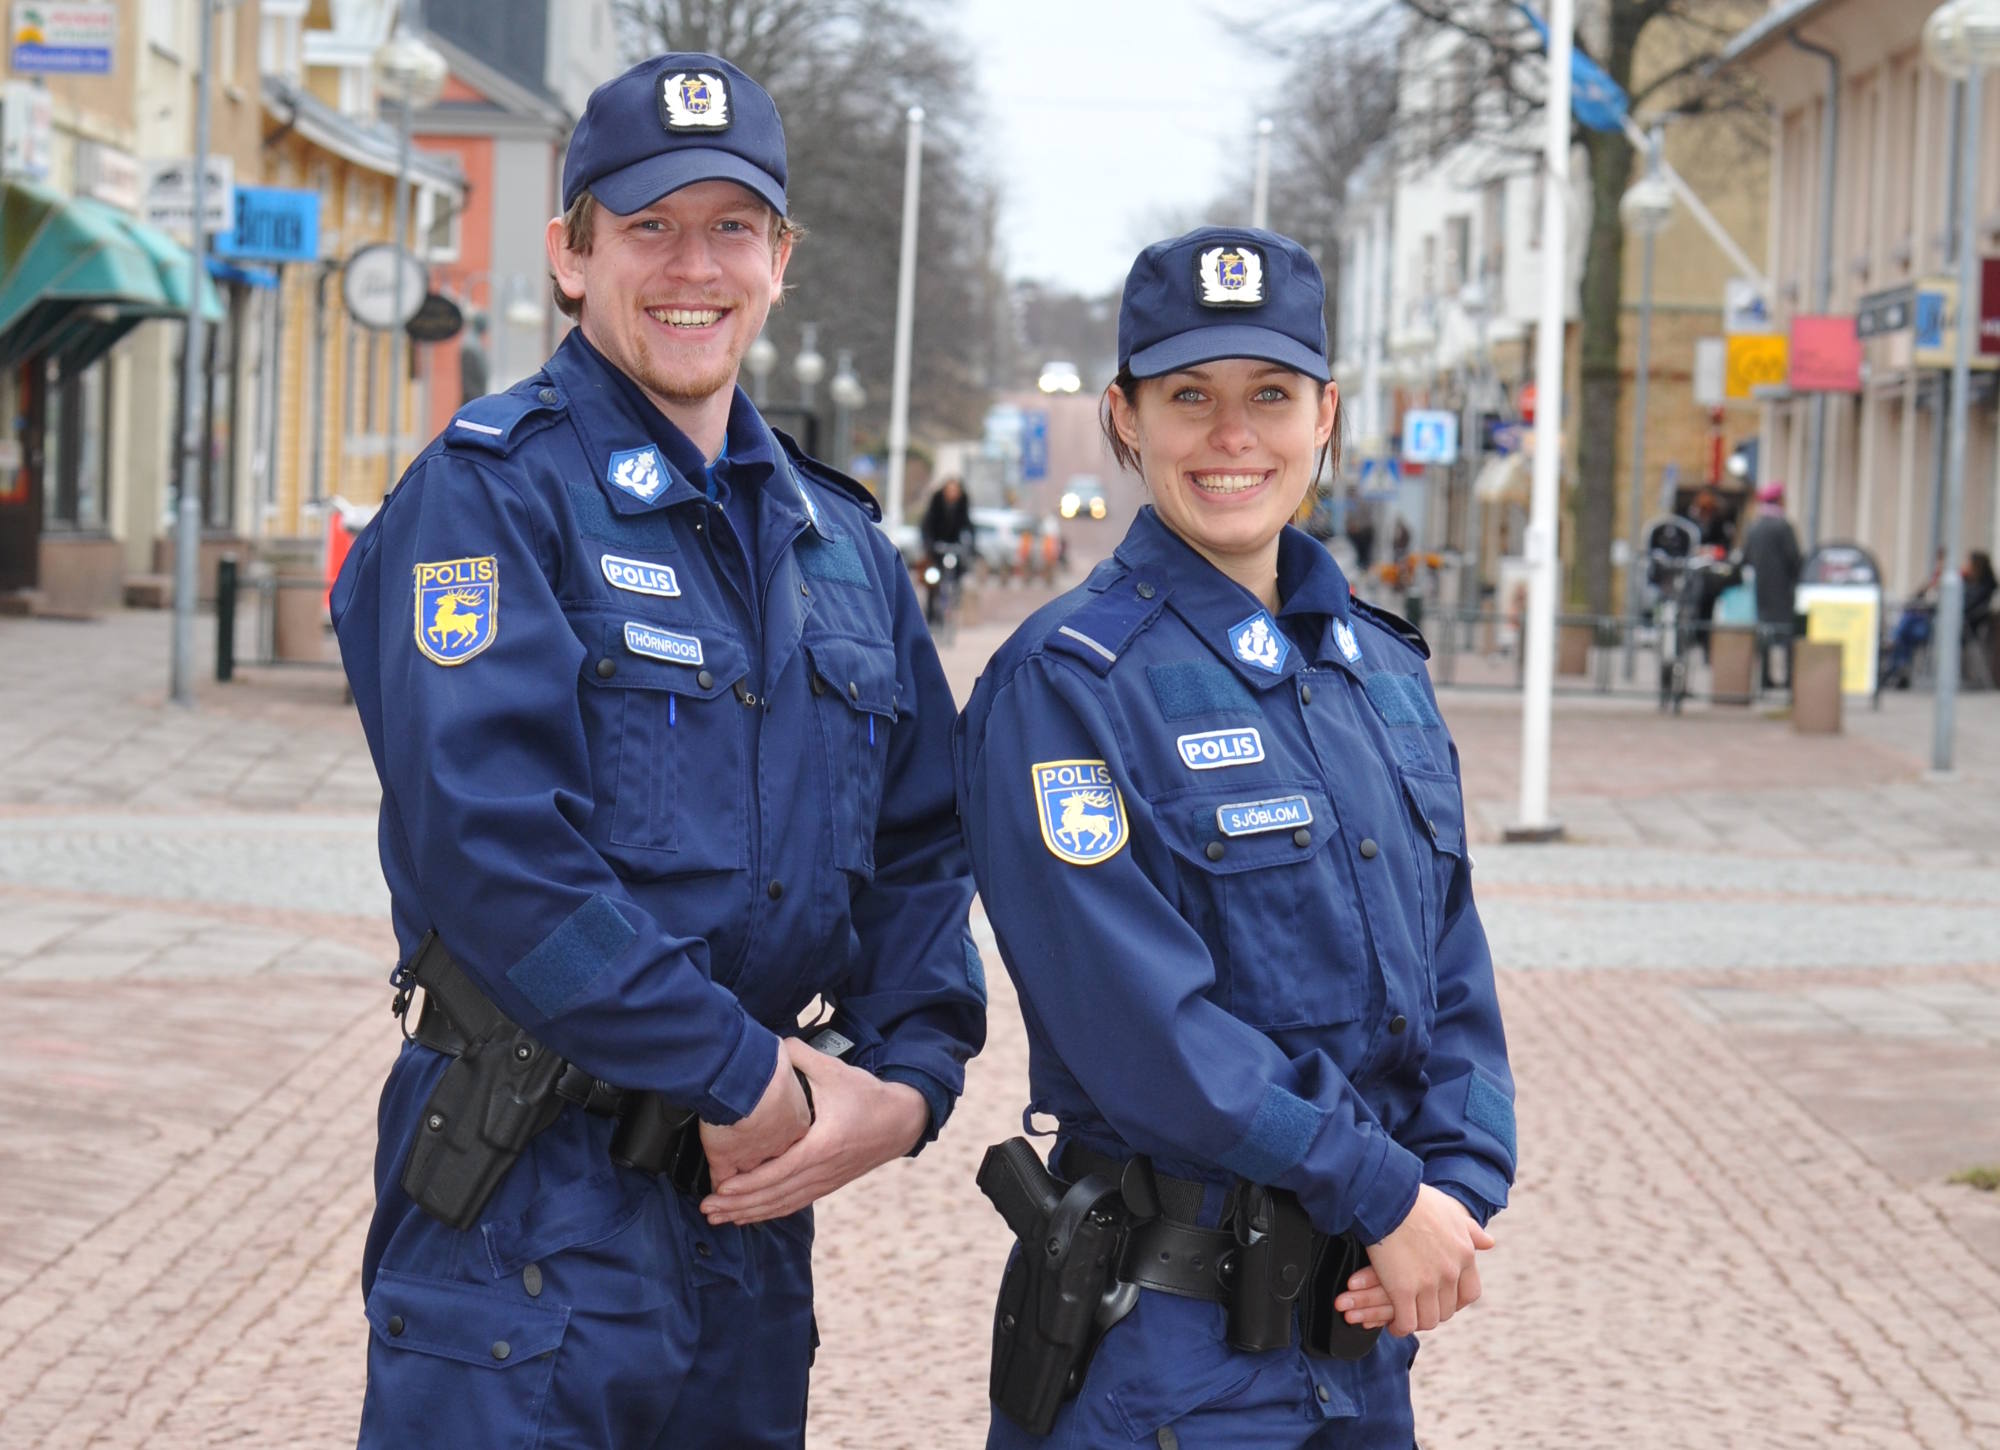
<point x="1081" y="811"/>
<point x="458" y="608"/>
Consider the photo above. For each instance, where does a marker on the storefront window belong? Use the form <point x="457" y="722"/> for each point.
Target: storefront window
<point x="75" y="461"/>
<point x="218" y="473"/>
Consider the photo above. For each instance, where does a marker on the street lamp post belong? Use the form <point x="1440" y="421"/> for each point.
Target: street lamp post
<point x="1260" y="187"/>
<point x="414" y="74"/>
<point x="906" y="297"/>
<point x="808" y="367"/>
<point x="187" y="524"/>
<point x="1961" y="39"/>
<point x="1646" y="209"/>
<point x="848" y="395"/>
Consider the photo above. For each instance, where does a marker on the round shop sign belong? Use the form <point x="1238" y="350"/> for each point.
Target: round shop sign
<point x="369" y="286"/>
<point x="438" y="320"/>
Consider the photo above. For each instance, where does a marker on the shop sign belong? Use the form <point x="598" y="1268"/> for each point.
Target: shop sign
<point x="383" y="286"/>
<point x="169" y="196"/>
<point x="1936" y="329"/>
<point x="1826" y="355"/>
<point x="272" y="224"/>
<point x="1881" y="313"/>
<point x="1755" y="361"/>
<point x="109" y="175"/>
<point x="27" y="131"/>
<point x="61" y="40"/>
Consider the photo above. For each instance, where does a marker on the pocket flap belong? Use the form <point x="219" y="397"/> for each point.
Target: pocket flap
<point x="465" y="1322"/>
<point x="1434" y="796"/>
<point x="1248" y="828"/>
<point x="636" y="654"/>
<point x="861" y="672"/>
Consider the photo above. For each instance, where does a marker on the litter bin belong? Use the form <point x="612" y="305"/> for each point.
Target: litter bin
<point x="299" y="620"/>
<point x="1816" y="687"/>
<point x="1732" y="656"/>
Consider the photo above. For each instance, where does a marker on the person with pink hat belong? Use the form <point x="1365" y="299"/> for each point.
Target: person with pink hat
<point x="1772" y="549"/>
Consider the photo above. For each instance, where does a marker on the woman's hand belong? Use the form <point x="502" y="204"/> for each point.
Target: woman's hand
<point x="1423" y="1272"/>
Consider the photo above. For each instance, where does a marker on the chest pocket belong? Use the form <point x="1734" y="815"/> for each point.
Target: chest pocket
<point x="675" y="753"/>
<point x="854" y="689"/>
<point x="1439" y="819"/>
<point x="1267" y="890"/>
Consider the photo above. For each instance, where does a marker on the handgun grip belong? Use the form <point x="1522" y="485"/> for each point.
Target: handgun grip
<point x="1013" y="1177"/>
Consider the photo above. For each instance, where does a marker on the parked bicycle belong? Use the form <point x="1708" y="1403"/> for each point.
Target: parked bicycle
<point x="1677" y="566"/>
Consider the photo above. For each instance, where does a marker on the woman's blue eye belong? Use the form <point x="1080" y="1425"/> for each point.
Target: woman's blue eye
<point x="1188" y="395"/>
<point x="1273" y="393"/>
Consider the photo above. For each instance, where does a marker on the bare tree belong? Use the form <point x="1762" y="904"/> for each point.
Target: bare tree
<point x="844" y="73"/>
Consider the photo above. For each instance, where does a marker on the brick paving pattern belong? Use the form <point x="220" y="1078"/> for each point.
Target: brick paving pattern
<point x="1754" y="1007"/>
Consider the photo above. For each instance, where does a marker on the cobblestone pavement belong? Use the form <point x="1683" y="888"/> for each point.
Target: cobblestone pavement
<point x="1754" y="1007"/>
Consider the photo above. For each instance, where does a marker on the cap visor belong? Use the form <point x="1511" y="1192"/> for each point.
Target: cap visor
<point x="1211" y="344"/>
<point x="635" y="187"/>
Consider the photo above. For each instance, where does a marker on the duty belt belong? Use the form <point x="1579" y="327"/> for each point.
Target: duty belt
<point x="573" y="1085"/>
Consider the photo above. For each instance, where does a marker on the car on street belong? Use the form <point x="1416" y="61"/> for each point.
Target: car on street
<point x="1085" y="498"/>
<point x="996" y="537"/>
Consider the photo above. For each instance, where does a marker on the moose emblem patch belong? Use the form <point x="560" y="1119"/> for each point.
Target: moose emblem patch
<point x="1082" y="814"/>
<point x="458" y="603"/>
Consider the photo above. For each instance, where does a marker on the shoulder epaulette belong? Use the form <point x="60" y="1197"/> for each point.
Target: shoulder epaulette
<point x="1396" y="625"/>
<point x="500" y="422"/>
<point x="828" y="476"/>
<point x="1098" y="630"/>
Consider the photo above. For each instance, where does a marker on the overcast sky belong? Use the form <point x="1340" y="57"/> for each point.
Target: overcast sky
<point x="1108" y="120"/>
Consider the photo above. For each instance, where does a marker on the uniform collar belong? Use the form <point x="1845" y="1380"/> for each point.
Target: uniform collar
<point x="1226" y="615"/>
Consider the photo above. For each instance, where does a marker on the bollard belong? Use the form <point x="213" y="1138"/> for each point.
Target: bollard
<point x="225" y="618"/>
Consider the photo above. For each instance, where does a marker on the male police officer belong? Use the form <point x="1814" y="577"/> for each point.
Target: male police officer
<point x="664" y="752"/>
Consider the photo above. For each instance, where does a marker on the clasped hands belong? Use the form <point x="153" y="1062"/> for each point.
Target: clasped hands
<point x="1423" y="1272"/>
<point x="786" y="1154"/>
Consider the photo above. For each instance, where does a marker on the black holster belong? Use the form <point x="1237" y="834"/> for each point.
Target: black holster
<point x="1061" y="1290"/>
<point x="496" y="1094"/>
<point x="1282" y="1264"/>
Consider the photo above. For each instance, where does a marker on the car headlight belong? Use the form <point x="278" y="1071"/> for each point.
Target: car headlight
<point x="1097" y="508"/>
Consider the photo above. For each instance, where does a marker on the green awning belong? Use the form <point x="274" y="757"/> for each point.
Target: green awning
<point x="77" y="275"/>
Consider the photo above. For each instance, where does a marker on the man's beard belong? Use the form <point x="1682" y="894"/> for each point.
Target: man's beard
<point x="691" y="381"/>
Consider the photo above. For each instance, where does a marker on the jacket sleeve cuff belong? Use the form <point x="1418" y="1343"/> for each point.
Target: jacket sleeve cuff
<point x="1388" y="1194"/>
<point x="740" y="1085"/>
<point x="1477" y="1185"/>
<point x="937" y="1098"/>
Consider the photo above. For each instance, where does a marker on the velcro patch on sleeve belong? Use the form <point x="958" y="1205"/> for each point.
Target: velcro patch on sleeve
<point x="1487" y="1106"/>
<point x="1278" y="1140"/>
<point x="1401" y="701"/>
<point x="975" y="969"/>
<point x="571" y="957"/>
<point x="836" y="559"/>
<point x="1197" y="687"/>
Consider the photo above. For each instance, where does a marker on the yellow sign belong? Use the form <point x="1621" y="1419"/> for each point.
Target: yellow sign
<point x="1852" y="619"/>
<point x="1756" y="360"/>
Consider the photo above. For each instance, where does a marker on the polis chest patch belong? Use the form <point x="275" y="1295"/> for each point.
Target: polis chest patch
<point x="1214" y="749"/>
<point x="639" y="576"/>
<point x="1250" y="818"/>
<point x="457" y="608"/>
<point x="1082" y="814"/>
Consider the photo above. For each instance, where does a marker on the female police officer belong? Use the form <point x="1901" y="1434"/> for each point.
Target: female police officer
<point x="1216" y="822"/>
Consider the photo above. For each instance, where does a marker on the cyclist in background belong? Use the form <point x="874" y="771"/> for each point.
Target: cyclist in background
<point x="947" y="531"/>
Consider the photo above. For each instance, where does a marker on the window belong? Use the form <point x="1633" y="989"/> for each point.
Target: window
<point x="224" y="22"/>
<point x="163" y="26"/>
<point x="1457" y="247"/>
<point x="436" y="229"/>
<point x="75" y="465"/>
<point x="1427" y="282"/>
<point x="1493" y="233"/>
<point x="219" y="421"/>
<point x="1537" y="203"/>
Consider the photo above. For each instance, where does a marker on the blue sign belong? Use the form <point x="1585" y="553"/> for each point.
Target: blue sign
<point x="1379" y="477"/>
<point x="1034" y="446"/>
<point x="1430" y="435"/>
<point x="273" y="224"/>
<point x="1930" y="319"/>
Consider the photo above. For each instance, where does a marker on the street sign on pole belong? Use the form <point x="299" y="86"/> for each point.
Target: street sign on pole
<point x="1430" y="435"/>
<point x="1034" y="445"/>
<point x="1754" y="361"/>
<point x="61" y="40"/>
<point x="170" y="194"/>
<point x="1711" y="368"/>
<point x="1744" y="306"/>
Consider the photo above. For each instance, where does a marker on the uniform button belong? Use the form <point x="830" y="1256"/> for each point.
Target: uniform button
<point x="1368" y="849"/>
<point x="1145" y="591"/>
<point x="1397" y="1024"/>
<point x="501" y="1349"/>
<point x="531" y="1280"/>
<point x="1305" y="694"/>
<point x="395" y="1324"/>
<point x="1431" y="826"/>
<point x="1302" y="837"/>
<point x="775" y="890"/>
<point x="1215" y="850"/>
<point x="547" y="395"/>
<point x="703" y="1250"/>
<point x="1324" y="1395"/>
<point x="853" y="690"/>
<point x="606" y="668"/>
<point x="806" y="589"/>
<point x="705" y="680"/>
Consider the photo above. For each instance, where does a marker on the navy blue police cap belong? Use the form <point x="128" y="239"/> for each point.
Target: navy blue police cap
<point x="669" y="122"/>
<point x="1221" y="292"/>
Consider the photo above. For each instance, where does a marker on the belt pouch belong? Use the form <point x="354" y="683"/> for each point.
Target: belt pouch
<point x="1323" y="1328"/>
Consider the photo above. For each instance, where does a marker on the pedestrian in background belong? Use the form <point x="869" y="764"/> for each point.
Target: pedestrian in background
<point x="1772" y="549"/>
<point x="947" y="531"/>
<point x="1217" y="824"/>
<point x="664" y="751"/>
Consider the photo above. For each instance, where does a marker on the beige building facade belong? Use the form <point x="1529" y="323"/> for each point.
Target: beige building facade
<point x="1893" y="227"/>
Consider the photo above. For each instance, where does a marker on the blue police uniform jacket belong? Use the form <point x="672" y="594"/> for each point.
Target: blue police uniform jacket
<point x="652" y="799"/>
<point x="1224" y="858"/>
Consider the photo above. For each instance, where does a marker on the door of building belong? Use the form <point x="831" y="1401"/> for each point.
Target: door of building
<point x="21" y="485"/>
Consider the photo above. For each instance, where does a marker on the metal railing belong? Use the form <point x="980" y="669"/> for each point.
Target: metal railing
<point x="1596" y="654"/>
